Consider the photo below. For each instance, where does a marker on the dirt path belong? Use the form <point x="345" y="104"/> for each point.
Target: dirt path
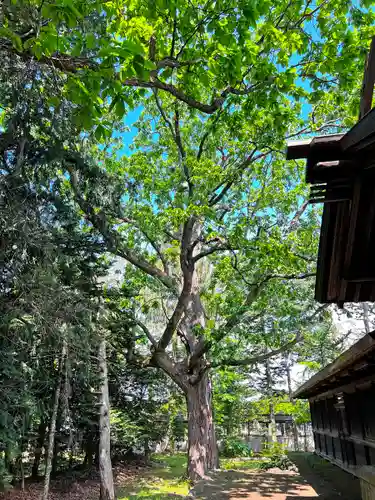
<point x="316" y="478"/>
<point x="255" y="485"/>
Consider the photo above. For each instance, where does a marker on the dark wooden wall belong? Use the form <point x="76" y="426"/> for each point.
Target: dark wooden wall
<point x="344" y="426"/>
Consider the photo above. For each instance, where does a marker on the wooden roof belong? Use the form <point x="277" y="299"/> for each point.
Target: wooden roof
<point x="354" y="366"/>
<point x="340" y="168"/>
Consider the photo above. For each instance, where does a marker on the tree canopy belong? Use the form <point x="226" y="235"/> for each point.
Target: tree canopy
<point x="209" y="222"/>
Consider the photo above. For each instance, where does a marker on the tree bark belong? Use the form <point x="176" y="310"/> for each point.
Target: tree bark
<point x="272" y="438"/>
<point x="202" y="448"/>
<point x="39" y="448"/>
<point x="366" y="321"/>
<point x="56" y="445"/>
<point x="305" y="437"/>
<point x="107" y="491"/>
<point x="52" y="429"/>
<point x="147" y="450"/>
<point x="272" y="425"/>
<point x="290" y="393"/>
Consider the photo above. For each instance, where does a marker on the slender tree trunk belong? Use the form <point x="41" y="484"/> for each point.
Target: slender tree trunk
<point x="107" y="491"/>
<point x="22" y="473"/>
<point x="8" y="462"/>
<point x="52" y="428"/>
<point x="202" y="448"/>
<point x="272" y="425"/>
<point x="290" y="393"/>
<point x="56" y="446"/>
<point x="305" y="437"/>
<point x="39" y="448"/>
<point x="147" y="450"/>
<point x="272" y="438"/>
<point x="365" y="317"/>
<point x="90" y="451"/>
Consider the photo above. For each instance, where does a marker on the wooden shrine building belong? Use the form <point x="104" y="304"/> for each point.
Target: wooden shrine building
<point x="342" y="404"/>
<point x="341" y="169"/>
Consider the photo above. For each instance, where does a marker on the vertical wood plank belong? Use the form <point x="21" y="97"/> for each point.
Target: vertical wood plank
<point x="368" y="82"/>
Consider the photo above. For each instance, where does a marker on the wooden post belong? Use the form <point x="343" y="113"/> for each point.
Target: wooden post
<point x="368" y="82"/>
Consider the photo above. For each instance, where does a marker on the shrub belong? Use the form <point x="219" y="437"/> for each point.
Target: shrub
<point x="277" y="458"/>
<point x="278" y="461"/>
<point x="272" y="449"/>
<point x="233" y="447"/>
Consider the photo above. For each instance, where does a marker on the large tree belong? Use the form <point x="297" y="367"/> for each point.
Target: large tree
<point x="212" y="222"/>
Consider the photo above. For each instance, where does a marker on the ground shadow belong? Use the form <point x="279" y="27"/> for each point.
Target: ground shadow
<point x="157" y="496"/>
<point x="236" y="485"/>
<point x="328" y="480"/>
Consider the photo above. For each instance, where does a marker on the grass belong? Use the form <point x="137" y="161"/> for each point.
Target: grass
<point x="167" y="479"/>
<point x="240" y="463"/>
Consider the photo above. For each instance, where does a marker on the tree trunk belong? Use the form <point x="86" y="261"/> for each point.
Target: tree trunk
<point x="272" y="438"/>
<point x="365" y="317"/>
<point x="147" y="450"/>
<point x="107" y="491"/>
<point x="56" y="446"/>
<point x="305" y="437"/>
<point x="52" y="429"/>
<point x="202" y="448"/>
<point x="39" y="448"/>
<point x="272" y="425"/>
<point x="290" y="392"/>
<point x="22" y="473"/>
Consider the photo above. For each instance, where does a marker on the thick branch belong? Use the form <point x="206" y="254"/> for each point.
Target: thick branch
<point x="187" y="267"/>
<point x="260" y="358"/>
<point x="63" y="62"/>
<point x="206" y="134"/>
<point x="158" y="250"/>
<point x="216" y="197"/>
<point x="152" y="242"/>
<point x="210" y="251"/>
<point x="100" y="222"/>
<point x="294" y="222"/>
<point x="161" y="359"/>
<point x="174" y="33"/>
<point x="162" y="112"/>
<point x="234" y="319"/>
<point x="147" y="332"/>
<point x="181" y="150"/>
<point x="263" y="357"/>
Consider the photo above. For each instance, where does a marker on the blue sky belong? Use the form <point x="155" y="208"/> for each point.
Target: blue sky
<point x="127" y="137"/>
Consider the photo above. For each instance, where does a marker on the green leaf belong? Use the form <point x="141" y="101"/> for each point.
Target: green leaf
<point x="13" y="37"/>
<point x="133" y="47"/>
<point x="99" y="132"/>
<point x="120" y="108"/>
<point x="90" y="41"/>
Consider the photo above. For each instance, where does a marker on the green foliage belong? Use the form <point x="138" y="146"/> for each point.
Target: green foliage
<point x="240" y="464"/>
<point x="219" y="244"/>
<point x="231" y="401"/>
<point x="241" y="53"/>
<point x="5" y="476"/>
<point x="298" y="409"/>
<point x="279" y="461"/>
<point x="273" y="449"/>
<point x="232" y="447"/>
<point x="178" y="428"/>
<point x="276" y="457"/>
